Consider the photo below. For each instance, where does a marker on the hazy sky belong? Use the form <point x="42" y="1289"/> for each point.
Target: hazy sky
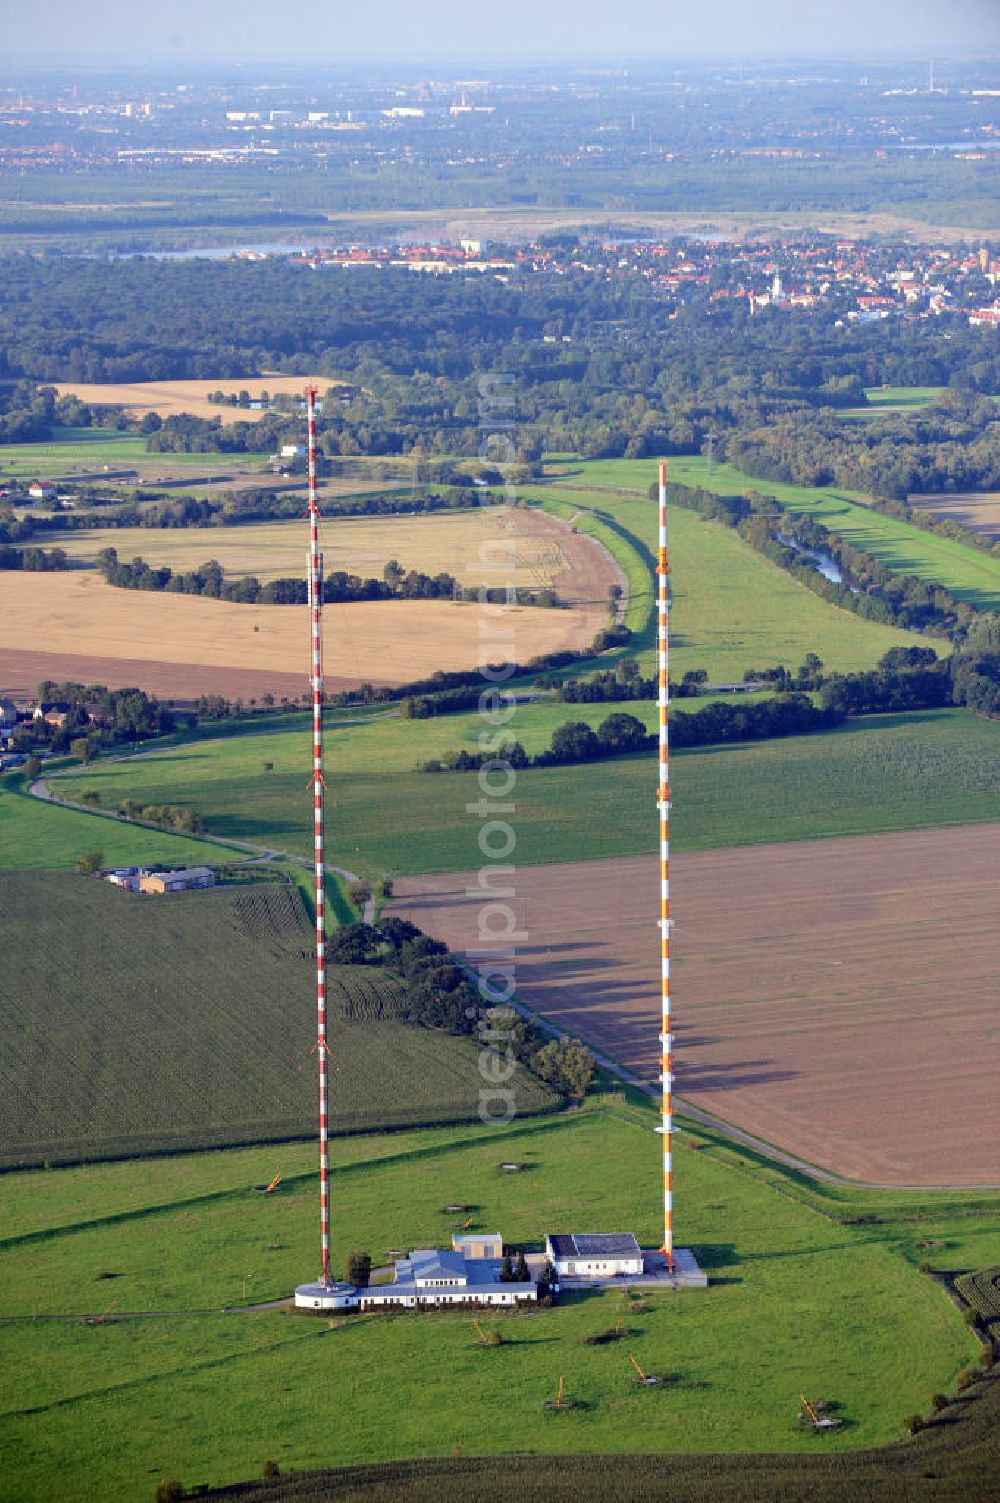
<point x="476" y="31"/>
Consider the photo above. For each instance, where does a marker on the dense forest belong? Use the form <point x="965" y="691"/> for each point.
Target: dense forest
<point x="954" y="445"/>
<point x="600" y="366"/>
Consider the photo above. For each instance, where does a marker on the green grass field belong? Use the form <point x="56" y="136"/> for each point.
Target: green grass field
<point x="89" y="449"/>
<point x="135" y="1023"/>
<point x="883" y="400"/>
<point x="881" y="773"/>
<point x="731" y="608"/>
<point x="967" y="573"/>
<point x="103" y="1411"/>
<point x="34" y="834"/>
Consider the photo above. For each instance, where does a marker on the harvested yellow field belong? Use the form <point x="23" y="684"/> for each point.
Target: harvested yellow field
<point x="170" y="397"/>
<point x="179" y="644"/>
<point x="462" y="543"/>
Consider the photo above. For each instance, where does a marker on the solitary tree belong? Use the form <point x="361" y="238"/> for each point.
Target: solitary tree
<point x="89" y="862"/>
<point x="522" y="1274"/>
<point x="360" y="893"/>
<point x="359" y="1268"/>
<point x="82" y="748"/>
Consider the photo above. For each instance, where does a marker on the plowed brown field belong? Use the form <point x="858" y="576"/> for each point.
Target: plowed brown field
<point x="840" y="998"/>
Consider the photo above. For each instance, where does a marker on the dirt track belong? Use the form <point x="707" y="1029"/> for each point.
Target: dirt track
<point x="838" y="998"/>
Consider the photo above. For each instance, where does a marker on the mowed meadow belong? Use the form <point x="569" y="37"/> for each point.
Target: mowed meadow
<point x="885" y="772"/>
<point x="188" y="1234"/>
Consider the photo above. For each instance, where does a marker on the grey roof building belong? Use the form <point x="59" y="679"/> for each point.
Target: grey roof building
<point x="589" y="1254"/>
<point x="427" y="1276"/>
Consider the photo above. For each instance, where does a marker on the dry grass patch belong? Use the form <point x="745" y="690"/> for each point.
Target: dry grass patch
<point x="363" y="545"/>
<point x="77" y="616"/>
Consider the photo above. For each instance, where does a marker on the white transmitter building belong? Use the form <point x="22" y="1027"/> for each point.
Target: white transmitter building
<point x="594" y="1255"/>
<point x="469" y="1273"/>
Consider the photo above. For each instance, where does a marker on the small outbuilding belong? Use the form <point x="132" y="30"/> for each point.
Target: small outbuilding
<point x="179" y="881"/>
<point x="478" y="1245"/>
<point x="594" y="1255"/>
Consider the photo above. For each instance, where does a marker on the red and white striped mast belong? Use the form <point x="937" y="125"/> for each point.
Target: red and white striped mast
<point x="663" y="802"/>
<point x="319" y="790"/>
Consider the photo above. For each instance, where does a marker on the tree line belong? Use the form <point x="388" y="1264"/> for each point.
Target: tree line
<point x="33" y="560"/>
<point x="906" y="678"/>
<point x="209" y="580"/>
<point x="234" y="508"/>
<point x="437" y="993"/>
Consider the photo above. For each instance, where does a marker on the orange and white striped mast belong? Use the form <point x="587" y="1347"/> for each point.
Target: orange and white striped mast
<point x="319" y="790"/>
<point x="663" y="802"/>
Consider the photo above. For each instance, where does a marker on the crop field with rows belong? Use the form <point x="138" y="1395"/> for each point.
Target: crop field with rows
<point x="273" y="916"/>
<point x="143" y="1024"/>
<point x="982" y="1291"/>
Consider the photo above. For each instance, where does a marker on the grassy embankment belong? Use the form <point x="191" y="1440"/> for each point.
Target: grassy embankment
<point x="731" y="609"/>
<point x="969" y="575"/>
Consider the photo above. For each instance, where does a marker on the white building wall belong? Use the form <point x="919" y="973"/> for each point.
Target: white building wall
<point x="596" y="1268"/>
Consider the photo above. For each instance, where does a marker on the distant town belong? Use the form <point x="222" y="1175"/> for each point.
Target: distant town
<point x="862" y="280"/>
